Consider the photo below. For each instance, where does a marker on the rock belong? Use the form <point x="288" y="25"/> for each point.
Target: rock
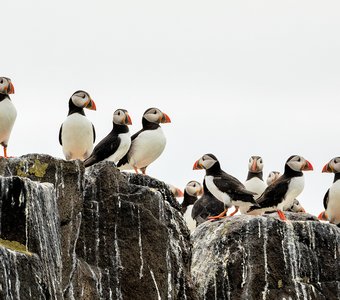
<point x="99" y="235"/>
<point x="248" y="257"/>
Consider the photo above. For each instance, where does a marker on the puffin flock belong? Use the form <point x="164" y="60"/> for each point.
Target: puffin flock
<point x="201" y="202"/>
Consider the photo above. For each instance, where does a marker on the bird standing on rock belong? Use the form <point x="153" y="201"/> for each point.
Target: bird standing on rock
<point x="116" y="144"/>
<point x="280" y="194"/>
<point x="223" y="186"/>
<point x="192" y="190"/>
<point x="254" y="182"/>
<point x="331" y="200"/>
<point x="8" y="113"/>
<point x="148" y="143"/>
<point x="77" y="134"/>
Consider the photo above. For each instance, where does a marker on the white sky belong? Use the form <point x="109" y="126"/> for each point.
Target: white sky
<point x="237" y="78"/>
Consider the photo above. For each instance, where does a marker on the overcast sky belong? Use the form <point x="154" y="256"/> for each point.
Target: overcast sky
<point x="237" y="78"/>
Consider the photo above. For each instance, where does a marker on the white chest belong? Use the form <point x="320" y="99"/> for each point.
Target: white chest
<point x="77" y="137"/>
<point x="191" y="223"/>
<point x="147" y="147"/>
<point x="295" y="188"/>
<point x="224" y="197"/>
<point x="255" y="185"/>
<point x="123" y="148"/>
<point x="333" y="207"/>
<point x="8" y="114"/>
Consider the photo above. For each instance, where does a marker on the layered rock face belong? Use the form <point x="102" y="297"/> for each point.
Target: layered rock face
<point x="248" y="257"/>
<point x="99" y="235"/>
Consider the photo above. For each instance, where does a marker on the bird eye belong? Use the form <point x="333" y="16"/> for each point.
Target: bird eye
<point x="119" y="113"/>
<point x="299" y="159"/>
<point x="1" y="81"/>
<point x="260" y="161"/>
<point x="83" y="96"/>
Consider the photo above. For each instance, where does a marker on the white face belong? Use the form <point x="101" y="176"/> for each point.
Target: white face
<point x="194" y="188"/>
<point x="296" y="163"/>
<point x="272" y="177"/>
<point x="6" y="86"/>
<point x="255" y="164"/>
<point x="153" y="115"/>
<point x="120" y="117"/>
<point x="335" y="164"/>
<point x="80" y="98"/>
<point x="206" y="161"/>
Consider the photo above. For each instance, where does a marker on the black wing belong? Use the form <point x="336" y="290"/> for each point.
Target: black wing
<point x="105" y="148"/>
<point x="207" y="206"/>
<point x="274" y="193"/>
<point x="325" y="199"/>
<point x="233" y="187"/>
<point x="60" y="130"/>
<point x="94" y="134"/>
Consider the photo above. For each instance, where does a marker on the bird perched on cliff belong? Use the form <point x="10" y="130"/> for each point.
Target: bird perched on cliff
<point x="148" y="143"/>
<point x="206" y="206"/>
<point x="77" y="134"/>
<point x="254" y="182"/>
<point x="280" y="194"/>
<point x="177" y="192"/>
<point x="192" y="190"/>
<point x="272" y="176"/>
<point x="116" y="144"/>
<point x="8" y="113"/>
<point x="223" y="186"/>
<point x="296" y="207"/>
<point x="331" y="200"/>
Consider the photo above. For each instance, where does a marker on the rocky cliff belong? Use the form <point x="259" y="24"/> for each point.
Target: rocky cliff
<point x="248" y="257"/>
<point x="67" y="233"/>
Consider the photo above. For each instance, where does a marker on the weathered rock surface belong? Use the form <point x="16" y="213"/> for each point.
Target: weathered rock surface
<point x="247" y="257"/>
<point x="99" y="235"/>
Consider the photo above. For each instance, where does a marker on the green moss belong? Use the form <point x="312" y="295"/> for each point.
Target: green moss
<point x="38" y="169"/>
<point x="280" y="284"/>
<point x="15" y="246"/>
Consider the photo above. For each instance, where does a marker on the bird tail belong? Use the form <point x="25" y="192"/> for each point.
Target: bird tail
<point x="123" y="161"/>
<point x="89" y="161"/>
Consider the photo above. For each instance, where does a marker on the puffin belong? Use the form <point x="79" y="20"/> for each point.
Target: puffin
<point x="116" y="144"/>
<point x="8" y="113"/>
<point x="272" y="176"/>
<point x="77" y="134"/>
<point x="177" y="192"/>
<point x="296" y="207"/>
<point x="254" y="182"/>
<point x="206" y="206"/>
<point x="281" y="193"/>
<point x="331" y="201"/>
<point x="147" y="144"/>
<point x="192" y="190"/>
<point x="223" y="186"/>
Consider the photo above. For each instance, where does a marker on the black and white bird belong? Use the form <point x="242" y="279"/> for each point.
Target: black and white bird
<point x="206" y="206"/>
<point x="254" y="182"/>
<point x="176" y="192"/>
<point x="148" y="143"/>
<point x="116" y="144"/>
<point x="296" y="207"/>
<point x="331" y="201"/>
<point x="192" y="190"/>
<point x="272" y="176"/>
<point x="77" y="134"/>
<point x="223" y="186"/>
<point x="280" y="194"/>
<point x="8" y="113"/>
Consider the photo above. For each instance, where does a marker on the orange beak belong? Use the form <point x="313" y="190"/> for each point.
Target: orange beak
<point x="327" y="169"/>
<point x="165" y="118"/>
<point x="307" y="167"/>
<point x="197" y="166"/>
<point x="91" y="105"/>
<point x="254" y="166"/>
<point x="10" y="88"/>
<point x="128" y="119"/>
